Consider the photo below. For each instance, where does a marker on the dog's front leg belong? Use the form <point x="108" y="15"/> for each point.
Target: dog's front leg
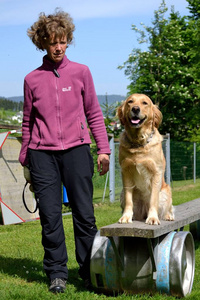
<point x="152" y="218"/>
<point x="127" y="215"/>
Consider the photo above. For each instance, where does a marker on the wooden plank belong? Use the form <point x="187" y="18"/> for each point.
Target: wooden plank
<point x="185" y="214"/>
<point x="10" y="127"/>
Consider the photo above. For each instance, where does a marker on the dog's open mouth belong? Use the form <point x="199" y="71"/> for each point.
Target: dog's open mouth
<point x="135" y="121"/>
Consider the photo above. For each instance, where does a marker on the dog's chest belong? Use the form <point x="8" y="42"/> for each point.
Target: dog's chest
<point x="142" y="177"/>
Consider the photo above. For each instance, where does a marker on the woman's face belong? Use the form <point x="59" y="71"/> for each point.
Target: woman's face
<point x="56" y="48"/>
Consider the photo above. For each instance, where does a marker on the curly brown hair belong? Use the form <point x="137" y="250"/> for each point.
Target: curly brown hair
<point x="58" y="24"/>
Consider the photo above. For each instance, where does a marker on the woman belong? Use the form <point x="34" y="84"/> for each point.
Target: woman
<point x="58" y="98"/>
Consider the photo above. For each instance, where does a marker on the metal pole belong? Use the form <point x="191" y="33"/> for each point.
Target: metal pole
<point x="168" y="168"/>
<point x="112" y="170"/>
<point x="194" y="162"/>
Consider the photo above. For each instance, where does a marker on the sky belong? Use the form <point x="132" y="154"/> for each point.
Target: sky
<point x="103" y="38"/>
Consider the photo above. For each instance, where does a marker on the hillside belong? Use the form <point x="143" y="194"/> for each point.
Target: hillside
<point x="102" y="98"/>
<point x="111" y="98"/>
<point x="16" y="98"/>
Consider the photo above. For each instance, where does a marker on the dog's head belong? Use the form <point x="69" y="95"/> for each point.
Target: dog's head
<point x="139" y="111"/>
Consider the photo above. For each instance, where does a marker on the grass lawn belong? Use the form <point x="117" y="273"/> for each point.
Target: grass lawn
<point x="21" y="255"/>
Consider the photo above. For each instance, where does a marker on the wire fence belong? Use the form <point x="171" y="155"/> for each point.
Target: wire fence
<point x="185" y="160"/>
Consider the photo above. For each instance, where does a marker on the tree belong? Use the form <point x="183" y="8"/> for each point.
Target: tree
<point x="109" y="113"/>
<point x="164" y="71"/>
<point x="194" y="8"/>
<point x="194" y="54"/>
<point x="2" y="114"/>
<point x="10" y="105"/>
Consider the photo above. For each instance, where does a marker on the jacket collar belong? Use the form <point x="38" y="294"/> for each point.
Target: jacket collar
<point x="50" y="65"/>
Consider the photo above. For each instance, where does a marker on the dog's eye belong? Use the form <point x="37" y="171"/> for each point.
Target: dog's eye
<point x="130" y="101"/>
<point x="145" y="103"/>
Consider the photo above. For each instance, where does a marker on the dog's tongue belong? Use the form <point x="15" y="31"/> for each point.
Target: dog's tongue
<point x="135" y="121"/>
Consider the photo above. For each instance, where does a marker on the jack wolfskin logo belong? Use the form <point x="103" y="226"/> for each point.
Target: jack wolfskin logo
<point x="67" y="89"/>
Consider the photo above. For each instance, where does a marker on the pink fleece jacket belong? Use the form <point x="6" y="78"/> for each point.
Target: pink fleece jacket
<point x="58" y="98"/>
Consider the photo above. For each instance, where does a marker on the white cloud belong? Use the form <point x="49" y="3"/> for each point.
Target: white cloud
<point x="20" y="12"/>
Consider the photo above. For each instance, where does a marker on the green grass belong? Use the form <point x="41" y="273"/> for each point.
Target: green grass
<point x="21" y="255"/>
<point x="183" y="191"/>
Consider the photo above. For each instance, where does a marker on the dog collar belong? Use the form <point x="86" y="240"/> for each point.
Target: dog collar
<point x="137" y="145"/>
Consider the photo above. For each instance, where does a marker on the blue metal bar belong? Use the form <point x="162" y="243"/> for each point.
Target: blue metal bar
<point x="163" y="259"/>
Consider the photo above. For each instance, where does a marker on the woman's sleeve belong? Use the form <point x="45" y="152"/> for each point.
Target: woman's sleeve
<point x="26" y="124"/>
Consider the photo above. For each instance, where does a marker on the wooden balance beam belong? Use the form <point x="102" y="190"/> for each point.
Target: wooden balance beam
<point x="185" y="214"/>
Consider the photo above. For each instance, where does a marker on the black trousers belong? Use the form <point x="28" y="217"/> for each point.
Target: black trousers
<point x="74" y="167"/>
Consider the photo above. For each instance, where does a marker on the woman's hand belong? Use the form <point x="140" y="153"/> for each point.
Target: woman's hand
<point x="103" y="162"/>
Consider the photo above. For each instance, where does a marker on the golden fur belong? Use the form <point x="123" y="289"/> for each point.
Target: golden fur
<point x="145" y="194"/>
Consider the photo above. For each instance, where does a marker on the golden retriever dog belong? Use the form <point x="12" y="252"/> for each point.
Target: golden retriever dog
<point x="145" y="194"/>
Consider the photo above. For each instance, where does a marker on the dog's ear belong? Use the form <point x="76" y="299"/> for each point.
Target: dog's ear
<point x="120" y="113"/>
<point x="157" y="120"/>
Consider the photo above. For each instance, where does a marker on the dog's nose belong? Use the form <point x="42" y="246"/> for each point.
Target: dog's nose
<point x="136" y="110"/>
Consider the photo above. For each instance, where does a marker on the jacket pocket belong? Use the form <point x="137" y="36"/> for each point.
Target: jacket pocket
<point x="81" y="129"/>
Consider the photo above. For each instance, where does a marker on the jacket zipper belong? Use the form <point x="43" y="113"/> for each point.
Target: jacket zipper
<point x="58" y="108"/>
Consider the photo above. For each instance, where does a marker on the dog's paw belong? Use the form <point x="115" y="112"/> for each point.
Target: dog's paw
<point x="152" y="221"/>
<point x="126" y="218"/>
<point x="169" y="217"/>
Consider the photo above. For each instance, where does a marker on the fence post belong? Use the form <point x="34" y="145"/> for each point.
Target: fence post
<point x="112" y="170"/>
<point x="194" y="163"/>
<point x="168" y="168"/>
